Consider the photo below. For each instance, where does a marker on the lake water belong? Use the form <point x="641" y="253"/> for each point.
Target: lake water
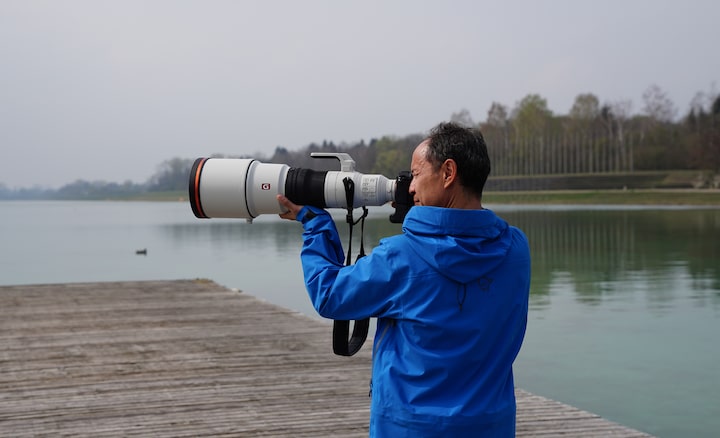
<point x="625" y="302"/>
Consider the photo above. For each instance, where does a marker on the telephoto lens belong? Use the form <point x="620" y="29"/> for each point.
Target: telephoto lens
<point x="235" y="188"/>
<point x="246" y="188"/>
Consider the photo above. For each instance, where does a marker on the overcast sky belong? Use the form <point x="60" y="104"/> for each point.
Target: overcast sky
<point x="108" y="90"/>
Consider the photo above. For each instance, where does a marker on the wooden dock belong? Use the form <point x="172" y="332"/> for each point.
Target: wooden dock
<point x="191" y="358"/>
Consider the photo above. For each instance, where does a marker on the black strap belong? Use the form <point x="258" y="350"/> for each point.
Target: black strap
<point x="344" y="347"/>
<point x="341" y="329"/>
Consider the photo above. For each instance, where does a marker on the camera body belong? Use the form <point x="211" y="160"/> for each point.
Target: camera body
<point x="246" y="188"/>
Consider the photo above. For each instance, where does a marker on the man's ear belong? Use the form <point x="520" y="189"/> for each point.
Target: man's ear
<point x="449" y="171"/>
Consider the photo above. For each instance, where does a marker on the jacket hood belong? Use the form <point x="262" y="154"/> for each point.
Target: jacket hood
<point x="462" y="245"/>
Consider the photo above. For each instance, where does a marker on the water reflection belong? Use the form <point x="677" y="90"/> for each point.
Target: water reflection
<point x="273" y="235"/>
<point x="606" y="254"/>
<point x="600" y="255"/>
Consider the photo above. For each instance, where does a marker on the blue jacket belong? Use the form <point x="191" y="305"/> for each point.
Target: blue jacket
<point x="451" y="298"/>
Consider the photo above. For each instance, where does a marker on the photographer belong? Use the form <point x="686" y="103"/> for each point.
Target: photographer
<point x="450" y="294"/>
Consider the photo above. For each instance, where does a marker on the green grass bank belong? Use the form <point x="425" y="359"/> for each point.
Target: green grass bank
<point x="680" y="197"/>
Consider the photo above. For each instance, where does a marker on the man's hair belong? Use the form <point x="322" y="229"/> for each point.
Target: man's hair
<point x="466" y="146"/>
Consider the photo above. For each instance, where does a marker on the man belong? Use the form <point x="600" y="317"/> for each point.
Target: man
<point x="450" y="294"/>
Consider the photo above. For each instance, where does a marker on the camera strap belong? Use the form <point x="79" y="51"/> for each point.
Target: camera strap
<point x="342" y="346"/>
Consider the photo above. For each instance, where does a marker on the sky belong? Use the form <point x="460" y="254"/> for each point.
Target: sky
<point x="108" y="90"/>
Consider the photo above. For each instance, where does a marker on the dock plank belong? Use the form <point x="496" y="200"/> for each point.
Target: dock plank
<point x="191" y="358"/>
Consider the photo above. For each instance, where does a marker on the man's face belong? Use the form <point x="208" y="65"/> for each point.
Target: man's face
<point x="427" y="185"/>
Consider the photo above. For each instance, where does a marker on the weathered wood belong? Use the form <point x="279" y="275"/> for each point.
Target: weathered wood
<point x="191" y="358"/>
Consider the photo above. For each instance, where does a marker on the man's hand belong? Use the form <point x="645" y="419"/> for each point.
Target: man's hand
<point x="292" y="209"/>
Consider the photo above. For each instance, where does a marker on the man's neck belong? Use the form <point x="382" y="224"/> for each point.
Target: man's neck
<point x="462" y="200"/>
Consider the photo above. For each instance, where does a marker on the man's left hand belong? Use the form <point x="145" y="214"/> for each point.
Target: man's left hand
<point x="292" y="208"/>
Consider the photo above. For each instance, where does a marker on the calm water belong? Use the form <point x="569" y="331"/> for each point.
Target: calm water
<point x="625" y="303"/>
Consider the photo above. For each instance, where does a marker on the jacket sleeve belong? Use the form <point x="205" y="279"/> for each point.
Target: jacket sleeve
<point x="337" y="291"/>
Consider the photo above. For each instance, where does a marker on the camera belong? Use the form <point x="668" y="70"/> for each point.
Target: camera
<point x="246" y="188"/>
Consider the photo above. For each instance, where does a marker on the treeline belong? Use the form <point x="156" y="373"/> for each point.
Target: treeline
<point x="595" y="138"/>
<point x="525" y="140"/>
<point x="529" y="140"/>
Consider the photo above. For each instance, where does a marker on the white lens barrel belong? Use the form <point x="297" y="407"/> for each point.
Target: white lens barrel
<point x="370" y="190"/>
<point x="240" y="188"/>
<point x="264" y="183"/>
<point x="247" y="188"/>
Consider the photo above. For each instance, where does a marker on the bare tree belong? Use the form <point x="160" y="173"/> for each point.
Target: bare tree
<point x="657" y="105"/>
<point x="497" y="133"/>
<point x="497" y="115"/>
<point x="621" y="111"/>
<point x="462" y="118"/>
<point x="581" y="122"/>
